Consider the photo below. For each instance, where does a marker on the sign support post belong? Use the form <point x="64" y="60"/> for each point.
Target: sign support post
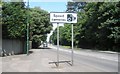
<point x="72" y="46"/>
<point x="57" y="44"/>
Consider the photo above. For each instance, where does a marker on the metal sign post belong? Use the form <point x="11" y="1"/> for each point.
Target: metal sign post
<point x="72" y="46"/>
<point x="57" y="44"/>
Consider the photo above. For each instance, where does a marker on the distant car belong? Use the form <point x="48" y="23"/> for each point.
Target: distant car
<point x="45" y="44"/>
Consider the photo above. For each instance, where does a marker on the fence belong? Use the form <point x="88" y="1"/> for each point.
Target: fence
<point x="12" y="46"/>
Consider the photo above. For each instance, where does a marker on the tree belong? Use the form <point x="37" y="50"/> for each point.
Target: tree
<point x="111" y="14"/>
<point x="97" y="26"/>
<point x="100" y="29"/>
<point x="39" y="25"/>
<point x="0" y="12"/>
<point x="53" y="37"/>
<point x="75" y="6"/>
<point x="64" y="35"/>
<point x="13" y="19"/>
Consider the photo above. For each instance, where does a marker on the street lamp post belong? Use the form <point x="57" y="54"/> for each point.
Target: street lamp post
<point x="28" y="28"/>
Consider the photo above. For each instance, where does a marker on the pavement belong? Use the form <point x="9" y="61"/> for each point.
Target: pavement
<point x="38" y="61"/>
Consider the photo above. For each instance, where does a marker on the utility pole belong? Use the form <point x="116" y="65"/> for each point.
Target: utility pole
<point x="28" y="27"/>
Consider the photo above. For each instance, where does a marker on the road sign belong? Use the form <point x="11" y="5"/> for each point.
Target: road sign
<point x="60" y="17"/>
<point x="63" y="18"/>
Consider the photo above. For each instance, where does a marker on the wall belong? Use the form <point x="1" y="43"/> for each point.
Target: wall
<point x="12" y="46"/>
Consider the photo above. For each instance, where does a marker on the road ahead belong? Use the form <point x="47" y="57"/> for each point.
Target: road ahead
<point x="38" y="61"/>
<point x="102" y="61"/>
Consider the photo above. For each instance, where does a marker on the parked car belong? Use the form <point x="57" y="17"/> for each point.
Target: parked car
<point x="45" y="44"/>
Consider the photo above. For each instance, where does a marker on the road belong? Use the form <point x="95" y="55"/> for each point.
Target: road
<point x="38" y="61"/>
<point x="102" y="61"/>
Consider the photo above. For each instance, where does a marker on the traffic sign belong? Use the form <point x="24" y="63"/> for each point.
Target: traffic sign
<point x="61" y="17"/>
<point x="58" y="17"/>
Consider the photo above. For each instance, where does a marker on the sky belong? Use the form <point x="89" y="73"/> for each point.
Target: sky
<point x="50" y="7"/>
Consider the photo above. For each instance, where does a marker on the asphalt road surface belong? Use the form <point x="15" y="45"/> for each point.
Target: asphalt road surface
<point x="84" y="61"/>
<point x="102" y="61"/>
